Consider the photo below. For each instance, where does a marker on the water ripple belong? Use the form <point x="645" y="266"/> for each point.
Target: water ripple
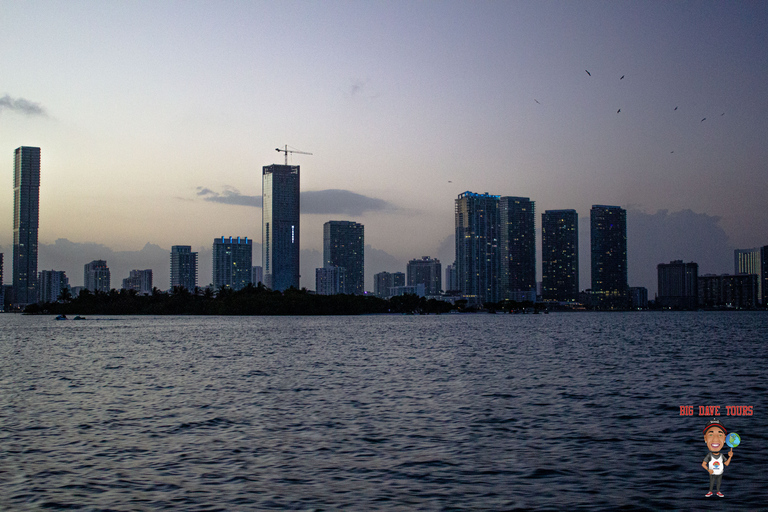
<point x="454" y="412"/>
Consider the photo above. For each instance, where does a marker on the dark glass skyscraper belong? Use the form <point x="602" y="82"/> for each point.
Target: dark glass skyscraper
<point x="608" y="233"/>
<point x="560" y="255"/>
<point x="280" y="226"/>
<point x="517" y="238"/>
<point x="477" y="246"/>
<point x="678" y="285"/>
<point x="26" y="215"/>
<point x="344" y="246"/>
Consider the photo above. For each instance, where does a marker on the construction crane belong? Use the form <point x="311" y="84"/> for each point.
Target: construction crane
<point x="286" y="151"/>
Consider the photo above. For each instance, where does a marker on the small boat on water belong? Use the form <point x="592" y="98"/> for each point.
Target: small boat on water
<point x="62" y="317"/>
<point x="78" y="317"/>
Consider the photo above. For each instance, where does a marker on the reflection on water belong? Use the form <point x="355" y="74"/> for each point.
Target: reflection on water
<point x="483" y="412"/>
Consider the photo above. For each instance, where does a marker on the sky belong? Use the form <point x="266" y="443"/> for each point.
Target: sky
<point x="155" y="119"/>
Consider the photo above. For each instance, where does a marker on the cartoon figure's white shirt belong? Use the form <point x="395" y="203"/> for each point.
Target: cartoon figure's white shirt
<point x="716" y="464"/>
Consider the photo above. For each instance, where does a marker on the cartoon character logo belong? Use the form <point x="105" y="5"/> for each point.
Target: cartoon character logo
<point x="715" y="462"/>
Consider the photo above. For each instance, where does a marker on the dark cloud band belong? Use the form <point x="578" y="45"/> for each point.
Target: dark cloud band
<point x="323" y="202"/>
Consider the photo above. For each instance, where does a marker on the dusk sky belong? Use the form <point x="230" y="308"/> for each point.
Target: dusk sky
<point x="155" y="118"/>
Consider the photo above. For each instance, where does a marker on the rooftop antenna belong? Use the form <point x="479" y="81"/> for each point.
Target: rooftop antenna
<point x="286" y="151"/>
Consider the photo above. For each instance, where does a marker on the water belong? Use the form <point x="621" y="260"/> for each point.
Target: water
<point x="566" y="411"/>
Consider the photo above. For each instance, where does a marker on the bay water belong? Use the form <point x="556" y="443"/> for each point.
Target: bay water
<point x="565" y="411"/>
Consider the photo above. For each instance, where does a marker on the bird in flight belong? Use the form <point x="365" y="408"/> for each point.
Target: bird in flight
<point x="622" y="77"/>
<point x="703" y="120"/>
<point x="675" y="108"/>
<point x="590" y="74"/>
<point x="537" y="101"/>
<point x="618" y="111"/>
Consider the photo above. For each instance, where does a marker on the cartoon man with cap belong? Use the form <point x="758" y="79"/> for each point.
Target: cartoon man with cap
<point x="714" y="463"/>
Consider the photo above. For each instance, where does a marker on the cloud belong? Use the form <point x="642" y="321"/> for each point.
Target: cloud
<point x="360" y="89"/>
<point x="72" y="256"/>
<point x="230" y="195"/>
<point x="22" y="106"/>
<point x="356" y="88"/>
<point x="317" y="202"/>
<point x="661" y="237"/>
<point x="336" y="201"/>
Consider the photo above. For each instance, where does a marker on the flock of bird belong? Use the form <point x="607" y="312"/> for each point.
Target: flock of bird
<point x="619" y="111"/>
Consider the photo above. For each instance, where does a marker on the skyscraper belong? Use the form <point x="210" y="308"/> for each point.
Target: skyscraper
<point x="383" y="281"/>
<point x="26" y="215"/>
<point x="51" y="284"/>
<point x="344" y="246"/>
<point x="451" y="278"/>
<point x="96" y="276"/>
<point x="426" y="271"/>
<point x="764" y="274"/>
<point x="2" y="286"/>
<point x="517" y="238"/>
<point x="560" y="255"/>
<point x="477" y="246"/>
<point x="257" y="275"/>
<point x="678" y="286"/>
<point x="608" y="234"/>
<point x="749" y="261"/>
<point x="139" y="281"/>
<point x="232" y="262"/>
<point x="183" y="267"/>
<point x="330" y="280"/>
<point x="280" y="226"/>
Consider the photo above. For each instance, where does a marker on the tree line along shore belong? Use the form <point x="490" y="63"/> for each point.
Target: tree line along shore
<point x="251" y="300"/>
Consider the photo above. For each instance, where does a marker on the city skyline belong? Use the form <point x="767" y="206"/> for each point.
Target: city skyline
<point x="402" y="108"/>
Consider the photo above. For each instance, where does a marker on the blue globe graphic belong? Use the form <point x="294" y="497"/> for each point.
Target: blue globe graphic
<point x="733" y="440"/>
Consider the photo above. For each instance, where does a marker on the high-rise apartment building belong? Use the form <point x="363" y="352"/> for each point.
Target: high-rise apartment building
<point x="764" y="274"/>
<point x="426" y="271"/>
<point x="608" y="234"/>
<point x="257" y="275"/>
<point x="451" y="278"/>
<point x="96" y="276"/>
<point x="2" y="286"/>
<point x="477" y="246"/>
<point x="183" y="267"/>
<point x="517" y="240"/>
<point x="140" y="281"/>
<point x="26" y="216"/>
<point x="728" y="291"/>
<point x="232" y="262"/>
<point x="344" y="246"/>
<point x="560" y="255"/>
<point x="678" y="286"/>
<point x="280" y="226"/>
<point x="383" y="281"/>
<point x="330" y="280"/>
<point x="749" y="261"/>
<point x="51" y="284"/>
